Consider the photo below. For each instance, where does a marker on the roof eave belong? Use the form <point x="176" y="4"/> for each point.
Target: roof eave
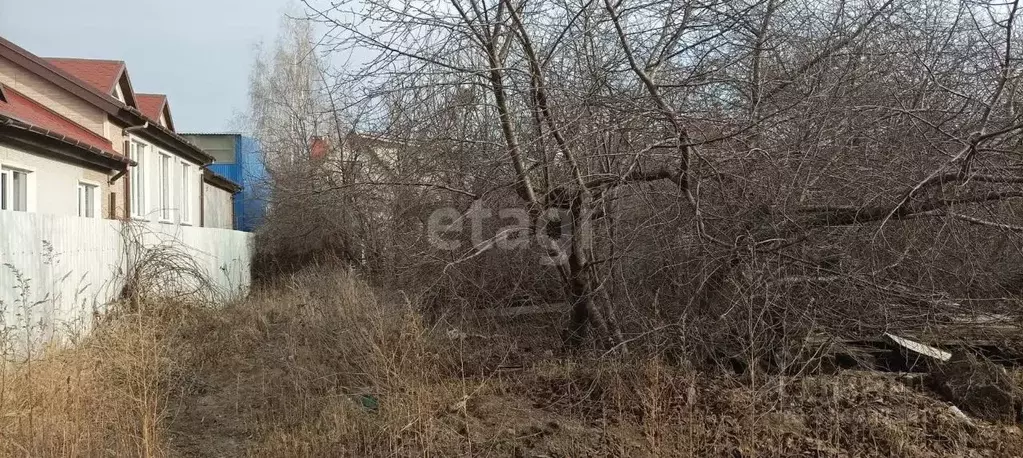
<point x="60" y="145"/>
<point x="169" y="138"/>
<point x="220" y="181"/>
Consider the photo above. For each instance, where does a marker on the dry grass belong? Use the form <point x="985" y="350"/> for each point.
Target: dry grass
<point x="105" y="397"/>
<point x="321" y="366"/>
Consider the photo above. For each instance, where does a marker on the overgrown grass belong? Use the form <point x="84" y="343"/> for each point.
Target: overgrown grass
<point x="106" y="396"/>
<point x="322" y="366"/>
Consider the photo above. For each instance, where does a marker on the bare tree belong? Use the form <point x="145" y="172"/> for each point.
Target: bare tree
<point x="839" y="164"/>
<point x="295" y="115"/>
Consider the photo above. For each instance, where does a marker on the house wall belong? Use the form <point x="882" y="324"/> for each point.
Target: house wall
<point x="77" y="110"/>
<point x="53" y="184"/>
<point x="232" y="172"/>
<point x="150" y="169"/>
<point x="218" y="207"/>
<point x="244" y="165"/>
<point x="53" y="97"/>
<point x="115" y="134"/>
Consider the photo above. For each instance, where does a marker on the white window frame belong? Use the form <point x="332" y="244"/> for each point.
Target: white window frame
<point x="137" y="177"/>
<point x="96" y="198"/>
<point x="184" y="205"/>
<point x="165" y="183"/>
<point x="8" y="170"/>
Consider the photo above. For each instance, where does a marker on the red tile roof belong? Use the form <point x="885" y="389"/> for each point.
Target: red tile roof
<point x="151" y="105"/>
<point x="100" y="74"/>
<point x="26" y="110"/>
<point x="120" y="112"/>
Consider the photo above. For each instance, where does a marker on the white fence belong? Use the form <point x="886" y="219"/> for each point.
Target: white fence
<point x="58" y="272"/>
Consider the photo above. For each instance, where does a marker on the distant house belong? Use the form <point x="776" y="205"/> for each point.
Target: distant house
<point x="76" y="139"/>
<point x="239" y="159"/>
<point x="361" y="156"/>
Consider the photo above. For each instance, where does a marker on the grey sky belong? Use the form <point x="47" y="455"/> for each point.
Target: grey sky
<point x="198" y="52"/>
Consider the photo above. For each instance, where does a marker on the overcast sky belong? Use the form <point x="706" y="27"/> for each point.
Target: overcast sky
<point x="198" y="52"/>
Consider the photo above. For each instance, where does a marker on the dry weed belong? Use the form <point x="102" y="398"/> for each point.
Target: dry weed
<point x="319" y="365"/>
<point x="105" y="397"/>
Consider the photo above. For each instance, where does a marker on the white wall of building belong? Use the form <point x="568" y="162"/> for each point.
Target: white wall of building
<point x="184" y="186"/>
<point x="53" y="184"/>
<point x="217" y="205"/>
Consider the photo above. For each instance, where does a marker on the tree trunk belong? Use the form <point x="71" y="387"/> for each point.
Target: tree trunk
<point x="581" y="292"/>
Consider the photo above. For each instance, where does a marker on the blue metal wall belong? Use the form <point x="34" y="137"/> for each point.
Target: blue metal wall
<point x="248" y="171"/>
<point x="250" y="204"/>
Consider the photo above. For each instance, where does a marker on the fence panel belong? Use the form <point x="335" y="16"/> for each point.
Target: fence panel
<point x="58" y="272"/>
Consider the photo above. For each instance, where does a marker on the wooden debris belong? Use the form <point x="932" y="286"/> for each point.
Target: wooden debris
<point x="919" y="348"/>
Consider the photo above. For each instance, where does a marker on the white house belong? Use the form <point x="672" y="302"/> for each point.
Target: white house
<point x="76" y="139"/>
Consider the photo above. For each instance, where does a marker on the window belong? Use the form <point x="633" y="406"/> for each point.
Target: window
<point x="87" y="203"/>
<point x="185" y="195"/>
<point x="165" y="187"/>
<point x="138" y="179"/>
<point x="13" y="189"/>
